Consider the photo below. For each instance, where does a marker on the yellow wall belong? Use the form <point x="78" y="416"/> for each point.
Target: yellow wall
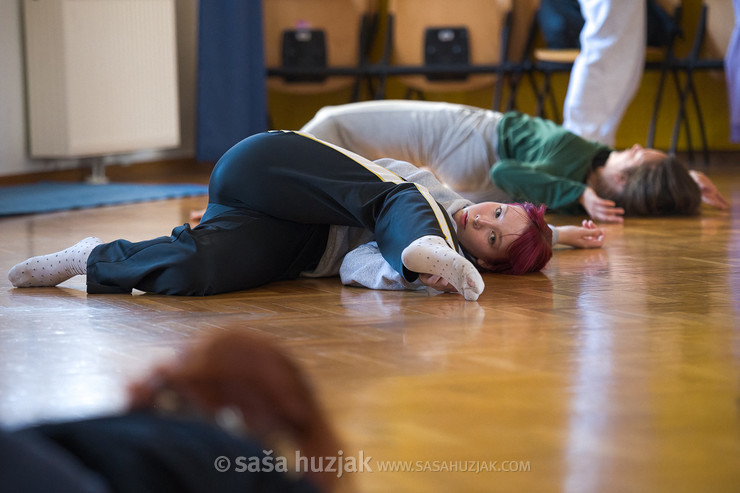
<point x="292" y="111"/>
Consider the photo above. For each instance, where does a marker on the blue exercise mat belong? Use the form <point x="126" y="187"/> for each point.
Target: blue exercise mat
<point x="60" y="196"/>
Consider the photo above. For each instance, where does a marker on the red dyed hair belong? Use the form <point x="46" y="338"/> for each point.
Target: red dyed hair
<point x="532" y="250"/>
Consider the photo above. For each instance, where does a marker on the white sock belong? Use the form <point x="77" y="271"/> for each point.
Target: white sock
<point x="432" y="255"/>
<point x="50" y="270"/>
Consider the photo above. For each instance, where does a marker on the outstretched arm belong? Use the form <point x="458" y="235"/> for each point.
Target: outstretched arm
<point x="709" y="193"/>
<point x="588" y="235"/>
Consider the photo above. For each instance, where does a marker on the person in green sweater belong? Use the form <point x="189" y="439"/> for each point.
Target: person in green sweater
<point x="486" y="155"/>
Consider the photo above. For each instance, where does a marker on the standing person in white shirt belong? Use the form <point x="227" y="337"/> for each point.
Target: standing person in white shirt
<point x="608" y="70"/>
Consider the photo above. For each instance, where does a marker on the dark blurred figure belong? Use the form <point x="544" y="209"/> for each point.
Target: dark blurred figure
<point x="232" y="395"/>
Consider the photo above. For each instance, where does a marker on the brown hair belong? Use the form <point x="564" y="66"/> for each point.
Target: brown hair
<point x="252" y="376"/>
<point x="658" y="188"/>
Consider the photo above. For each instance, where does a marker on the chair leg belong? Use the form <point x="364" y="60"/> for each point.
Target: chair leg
<point x="410" y="92"/>
<point x="533" y="84"/>
<point x="497" y="93"/>
<point x="656" y="109"/>
<point x="681" y="118"/>
<point x="700" y="118"/>
<point x="685" y="118"/>
<point x="514" y="81"/>
<point x="542" y="94"/>
<point x="356" y="90"/>
<point x="555" y="109"/>
<point x="369" y="83"/>
<point x="379" y="92"/>
<point x="689" y="138"/>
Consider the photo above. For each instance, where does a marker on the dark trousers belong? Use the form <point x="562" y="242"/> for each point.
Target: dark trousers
<point x="135" y="453"/>
<point x="272" y="198"/>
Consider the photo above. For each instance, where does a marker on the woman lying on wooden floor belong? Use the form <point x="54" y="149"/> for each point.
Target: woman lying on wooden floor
<point x="487" y="155"/>
<point x="284" y="205"/>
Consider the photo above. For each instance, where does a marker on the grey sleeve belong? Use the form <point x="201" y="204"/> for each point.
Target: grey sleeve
<point x="444" y="195"/>
<point x="365" y="266"/>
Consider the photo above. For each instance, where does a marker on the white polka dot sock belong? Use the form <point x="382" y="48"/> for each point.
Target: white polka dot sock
<point x="50" y="270"/>
<point x="432" y="255"/>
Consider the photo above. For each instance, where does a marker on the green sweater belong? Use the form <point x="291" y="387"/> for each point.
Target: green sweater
<point x="541" y="162"/>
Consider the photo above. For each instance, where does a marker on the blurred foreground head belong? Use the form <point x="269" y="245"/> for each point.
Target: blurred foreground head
<point x="247" y="383"/>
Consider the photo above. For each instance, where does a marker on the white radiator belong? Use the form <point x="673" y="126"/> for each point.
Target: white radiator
<point x="101" y="76"/>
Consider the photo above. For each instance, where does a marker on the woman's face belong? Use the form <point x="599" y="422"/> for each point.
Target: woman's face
<point x="636" y="156"/>
<point x="487" y="229"/>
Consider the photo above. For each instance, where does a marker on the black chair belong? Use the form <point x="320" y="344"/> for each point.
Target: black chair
<point x="318" y="46"/>
<point x="707" y="52"/>
<point x="442" y="46"/>
<point x="519" y="64"/>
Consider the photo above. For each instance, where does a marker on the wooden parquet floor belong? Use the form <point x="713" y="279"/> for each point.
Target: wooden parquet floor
<point x="613" y="370"/>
